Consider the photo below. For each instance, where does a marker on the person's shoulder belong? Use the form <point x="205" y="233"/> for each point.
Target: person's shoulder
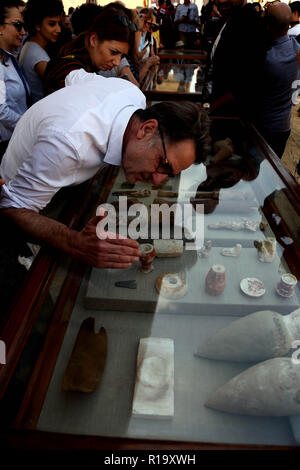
<point x="32" y="51"/>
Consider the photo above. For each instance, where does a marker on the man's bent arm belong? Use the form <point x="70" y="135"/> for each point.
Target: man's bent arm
<point x="84" y="245"/>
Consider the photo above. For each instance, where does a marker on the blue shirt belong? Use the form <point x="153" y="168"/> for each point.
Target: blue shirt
<point x="280" y="71"/>
<point x="31" y="54"/>
<point x="12" y="97"/>
<point x="182" y="10"/>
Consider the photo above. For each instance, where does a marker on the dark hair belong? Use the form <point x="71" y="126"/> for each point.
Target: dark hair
<point x="36" y="10"/>
<point x="295" y="6"/>
<point x="83" y="16"/>
<point x="257" y="4"/>
<point x="180" y="121"/>
<point x="5" y="5"/>
<point x="107" y="25"/>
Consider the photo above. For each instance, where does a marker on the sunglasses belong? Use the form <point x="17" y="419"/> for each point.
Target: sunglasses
<point x="164" y="167"/>
<point x="126" y="22"/>
<point x="17" y="24"/>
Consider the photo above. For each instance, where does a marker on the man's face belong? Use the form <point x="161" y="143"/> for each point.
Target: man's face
<point x="143" y="158"/>
<point x="226" y="7"/>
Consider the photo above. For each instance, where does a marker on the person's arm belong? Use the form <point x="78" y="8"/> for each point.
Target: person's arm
<point x="40" y="68"/>
<point x="55" y="164"/>
<point x="154" y="60"/>
<point x="85" y="245"/>
<point x="8" y="117"/>
<point x="127" y="72"/>
<point x="178" y="18"/>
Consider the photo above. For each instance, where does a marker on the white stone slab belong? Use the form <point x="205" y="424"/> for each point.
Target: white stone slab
<point x="154" y="382"/>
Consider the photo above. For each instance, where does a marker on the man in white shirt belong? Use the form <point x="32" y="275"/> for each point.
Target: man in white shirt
<point x="65" y="138"/>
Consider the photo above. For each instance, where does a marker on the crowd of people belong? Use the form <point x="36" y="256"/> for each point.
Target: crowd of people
<point x="61" y="119"/>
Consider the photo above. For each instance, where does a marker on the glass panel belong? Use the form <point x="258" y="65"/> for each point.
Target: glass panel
<point x="253" y="229"/>
<point x="178" y="78"/>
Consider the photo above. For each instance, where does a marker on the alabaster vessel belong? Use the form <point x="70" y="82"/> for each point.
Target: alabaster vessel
<point x="168" y="248"/>
<point x="286" y="287"/>
<point x="205" y="250"/>
<point x="270" y="388"/>
<point x="256" y="337"/>
<point x="148" y="255"/>
<point x="266" y="249"/>
<point x="215" y="281"/>
<point x="171" y="285"/>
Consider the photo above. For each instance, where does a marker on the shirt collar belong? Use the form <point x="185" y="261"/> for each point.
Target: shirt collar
<point x="113" y="154"/>
<point x="281" y="40"/>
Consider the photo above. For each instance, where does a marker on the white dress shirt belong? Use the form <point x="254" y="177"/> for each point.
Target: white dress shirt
<point x="63" y="139"/>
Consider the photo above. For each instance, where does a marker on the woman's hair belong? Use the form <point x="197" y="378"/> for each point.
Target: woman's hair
<point x="5" y="5"/>
<point x="109" y="25"/>
<point x="180" y="121"/>
<point x="36" y="10"/>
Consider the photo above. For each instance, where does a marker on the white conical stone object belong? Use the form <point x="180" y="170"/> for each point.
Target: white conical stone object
<point x="253" y="338"/>
<point x="271" y="388"/>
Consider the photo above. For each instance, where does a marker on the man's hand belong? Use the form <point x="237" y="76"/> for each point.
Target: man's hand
<point x="113" y="252"/>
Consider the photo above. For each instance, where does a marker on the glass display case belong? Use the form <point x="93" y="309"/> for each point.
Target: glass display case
<point x="174" y="82"/>
<point x="200" y="352"/>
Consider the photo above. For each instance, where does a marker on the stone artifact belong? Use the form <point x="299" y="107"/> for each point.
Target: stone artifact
<point x="234" y="251"/>
<point x="160" y="201"/>
<point x="256" y="337"/>
<point x="87" y="361"/>
<point x="270" y="388"/>
<point x="148" y="255"/>
<point x="168" y="248"/>
<point x="286" y="287"/>
<point x="154" y="383"/>
<point x="130" y="202"/>
<point x="131" y="284"/>
<point x="133" y="193"/>
<point x="205" y="250"/>
<point x="167" y="187"/>
<point x="266" y="249"/>
<point x="252" y="287"/>
<point x="222" y="149"/>
<point x="236" y="226"/>
<point x="163" y="193"/>
<point x="215" y="280"/>
<point x="171" y="285"/>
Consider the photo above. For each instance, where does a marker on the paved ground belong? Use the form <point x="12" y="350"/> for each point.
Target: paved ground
<point x="291" y="155"/>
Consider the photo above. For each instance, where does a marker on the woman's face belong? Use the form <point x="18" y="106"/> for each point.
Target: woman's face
<point x="108" y="53"/>
<point x="10" y="37"/>
<point x="50" y="28"/>
<point x="146" y="23"/>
